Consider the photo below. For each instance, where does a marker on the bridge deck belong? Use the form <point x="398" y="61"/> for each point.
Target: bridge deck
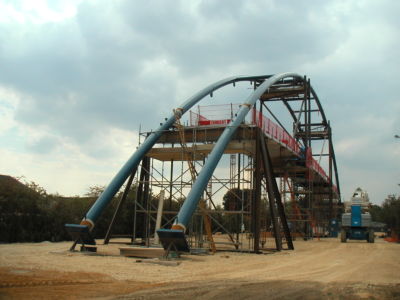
<point x="201" y="140"/>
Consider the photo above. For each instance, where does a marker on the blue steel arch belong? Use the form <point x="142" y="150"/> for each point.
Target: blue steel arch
<point x="132" y="164"/>
<point x="189" y="206"/>
<point x="198" y="187"/>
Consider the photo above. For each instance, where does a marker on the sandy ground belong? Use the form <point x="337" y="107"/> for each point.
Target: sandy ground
<point x="316" y="269"/>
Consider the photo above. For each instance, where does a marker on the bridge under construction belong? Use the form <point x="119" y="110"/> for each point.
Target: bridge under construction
<point x="232" y="176"/>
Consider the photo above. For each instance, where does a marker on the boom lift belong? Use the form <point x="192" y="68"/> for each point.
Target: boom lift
<point x="356" y="221"/>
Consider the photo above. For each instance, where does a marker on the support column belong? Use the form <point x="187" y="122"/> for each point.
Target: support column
<point x="171" y="179"/>
<point x="272" y="185"/>
<point x="146" y="200"/>
<point x="271" y="195"/>
<point x="140" y="196"/>
<point x="119" y="206"/>
<point x="330" y="174"/>
<point x="159" y="216"/>
<point x="256" y="198"/>
<point x="238" y="219"/>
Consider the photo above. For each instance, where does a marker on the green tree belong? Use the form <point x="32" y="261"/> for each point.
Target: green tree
<point x="391" y="212"/>
<point x="235" y="198"/>
<point x="376" y="213"/>
<point x="95" y="191"/>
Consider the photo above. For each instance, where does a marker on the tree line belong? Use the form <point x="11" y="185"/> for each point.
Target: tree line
<point x="29" y="214"/>
<point x="388" y="213"/>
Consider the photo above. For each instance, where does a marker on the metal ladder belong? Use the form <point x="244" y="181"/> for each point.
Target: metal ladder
<point x="193" y="174"/>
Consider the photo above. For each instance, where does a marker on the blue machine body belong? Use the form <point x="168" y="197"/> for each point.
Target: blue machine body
<point x="356" y="220"/>
<point x="358" y="233"/>
<point x="356" y="230"/>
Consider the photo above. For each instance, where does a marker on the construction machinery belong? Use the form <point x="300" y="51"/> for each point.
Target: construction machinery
<point x="356" y="221"/>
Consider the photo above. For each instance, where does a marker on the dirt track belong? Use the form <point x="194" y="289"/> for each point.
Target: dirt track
<point x="325" y="268"/>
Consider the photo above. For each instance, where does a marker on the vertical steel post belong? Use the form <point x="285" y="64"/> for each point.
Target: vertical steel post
<point x="271" y="195"/>
<point x="159" y="216"/>
<point x="171" y="179"/>
<point x="307" y="224"/>
<point x="311" y="181"/>
<point x="269" y="171"/>
<point x="238" y="222"/>
<point x="255" y="208"/>
<point x="119" y="206"/>
<point x="139" y="196"/>
<point x="147" y="200"/>
<point x="330" y="174"/>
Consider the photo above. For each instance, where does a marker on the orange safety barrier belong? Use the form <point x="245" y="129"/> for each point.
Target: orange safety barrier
<point x="220" y="114"/>
<point x="199" y="120"/>
<point x="393" y="238"/>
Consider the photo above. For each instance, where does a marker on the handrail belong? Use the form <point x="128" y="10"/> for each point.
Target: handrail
<point x="271" y="130"/>
<point x="275" y="132"/>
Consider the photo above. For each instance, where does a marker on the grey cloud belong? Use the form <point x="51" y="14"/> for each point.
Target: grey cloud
<point x="160" y="20"/>
<point x="98" y="57"/>
<point x="275" y="37"/>
<point x="84" y="75"/>
<point x="80" y="76"/>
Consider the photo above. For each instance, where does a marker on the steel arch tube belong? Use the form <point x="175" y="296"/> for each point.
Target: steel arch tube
<point x="191" y="202"/>
<point x="133" y="162"/>
<point x="333" y="150"/>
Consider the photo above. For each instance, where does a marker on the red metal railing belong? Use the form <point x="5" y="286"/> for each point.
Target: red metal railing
<point x="311" y="163"/>
<point x="223" y="115"/>
<point x="274" y="131"/>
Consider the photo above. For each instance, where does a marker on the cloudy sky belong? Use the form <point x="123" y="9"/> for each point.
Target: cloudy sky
<point x="77" y="78"/>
